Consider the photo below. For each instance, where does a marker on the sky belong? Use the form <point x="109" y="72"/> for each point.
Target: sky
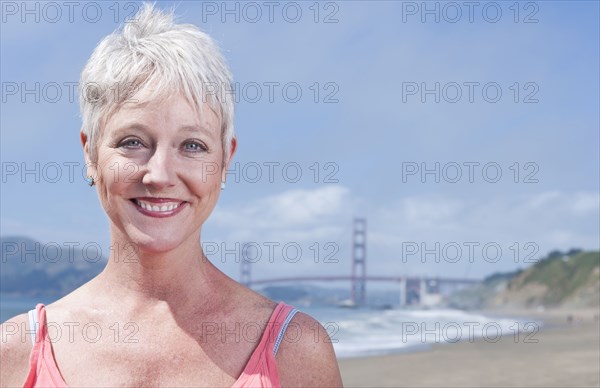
<point x="466" y="135"/>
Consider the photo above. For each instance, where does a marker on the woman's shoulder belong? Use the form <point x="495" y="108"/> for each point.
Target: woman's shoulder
<point x="15" y="350"/>
<point x="306" y="356"/>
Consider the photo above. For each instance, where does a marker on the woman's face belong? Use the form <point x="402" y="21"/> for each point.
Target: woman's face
<point x="159" y="170"/>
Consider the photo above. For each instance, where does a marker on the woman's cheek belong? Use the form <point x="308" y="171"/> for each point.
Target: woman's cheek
<point x="109" y="182"/>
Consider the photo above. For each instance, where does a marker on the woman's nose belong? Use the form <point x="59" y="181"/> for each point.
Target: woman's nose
<point x="159" y="169"/>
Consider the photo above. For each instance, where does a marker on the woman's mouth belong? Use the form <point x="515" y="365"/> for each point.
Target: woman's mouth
<point x="158" y="207"/>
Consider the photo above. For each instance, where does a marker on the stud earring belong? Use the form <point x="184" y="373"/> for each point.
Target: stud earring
<point x="222" y="185"/>
<point x="90" y="180"/>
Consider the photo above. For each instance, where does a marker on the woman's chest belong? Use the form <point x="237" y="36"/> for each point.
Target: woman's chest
<point x="166" y="359"/>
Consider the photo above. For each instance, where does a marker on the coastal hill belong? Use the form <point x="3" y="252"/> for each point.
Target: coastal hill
<point x="570" y="280"/>
<point x="31" y="268"/>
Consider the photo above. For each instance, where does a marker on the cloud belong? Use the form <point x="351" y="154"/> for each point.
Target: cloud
<point x="299" y="215"/>
<point x="549" y="220"/>
<point x="502" y="216"/>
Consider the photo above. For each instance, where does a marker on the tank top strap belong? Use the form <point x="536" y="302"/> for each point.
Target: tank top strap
<point x="261" y="369"/>
<point x="43" y="371"/>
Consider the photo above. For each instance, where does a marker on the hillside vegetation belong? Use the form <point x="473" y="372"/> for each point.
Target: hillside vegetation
<point x="569" y="279"/>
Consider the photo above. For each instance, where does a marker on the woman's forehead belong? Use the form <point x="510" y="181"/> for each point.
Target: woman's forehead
<point x="174" y="109"/>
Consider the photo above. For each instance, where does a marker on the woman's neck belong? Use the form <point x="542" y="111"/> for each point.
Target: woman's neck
<point x="175" y="279"/>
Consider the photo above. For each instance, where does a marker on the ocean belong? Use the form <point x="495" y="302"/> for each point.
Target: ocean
<point x="356" y="332"/>
<point x="365" y="332"/>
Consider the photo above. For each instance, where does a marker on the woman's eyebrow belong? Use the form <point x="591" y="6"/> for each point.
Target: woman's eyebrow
<point x="145" y="128"/>
<point x="129" y="127"/>
<point x="197" y="129"/>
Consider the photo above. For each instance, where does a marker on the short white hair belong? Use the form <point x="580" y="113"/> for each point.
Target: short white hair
<point x="152" y="52"/>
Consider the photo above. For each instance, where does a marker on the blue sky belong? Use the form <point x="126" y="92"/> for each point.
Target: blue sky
<point x="367" y="126"/>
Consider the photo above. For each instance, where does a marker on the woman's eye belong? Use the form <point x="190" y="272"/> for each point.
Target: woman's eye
<point x="194" y="147"/>
<point x="130" y="143"/>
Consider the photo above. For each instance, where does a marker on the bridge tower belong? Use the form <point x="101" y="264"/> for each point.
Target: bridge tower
<point x="245" y="277"/>
<point x="359" y="258"/>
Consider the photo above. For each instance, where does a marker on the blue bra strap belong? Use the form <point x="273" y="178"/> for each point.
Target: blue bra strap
<point x="282" y="330"/>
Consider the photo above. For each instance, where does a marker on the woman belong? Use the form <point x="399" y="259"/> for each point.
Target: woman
<point x="157" y="135"/>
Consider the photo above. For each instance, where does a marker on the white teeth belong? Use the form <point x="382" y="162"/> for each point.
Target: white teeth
<point x="154" y="208"/>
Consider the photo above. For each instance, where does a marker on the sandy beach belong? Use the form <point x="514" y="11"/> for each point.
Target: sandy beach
<point x="565" y="355"/>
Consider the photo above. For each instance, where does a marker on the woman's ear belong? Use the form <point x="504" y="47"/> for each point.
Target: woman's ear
<point x="91" y="167"/>
<point x="84" y="144"/>
<point x="232" y="149"/>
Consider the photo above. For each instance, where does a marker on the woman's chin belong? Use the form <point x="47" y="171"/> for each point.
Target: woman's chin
<point x="155" y="243"/>
<point x="157" y="246"/>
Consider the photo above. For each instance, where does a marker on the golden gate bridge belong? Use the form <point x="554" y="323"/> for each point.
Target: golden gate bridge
<point x="413" y="289"/>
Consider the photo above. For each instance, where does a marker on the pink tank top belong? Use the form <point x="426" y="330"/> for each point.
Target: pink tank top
<point x="260" y="371"/>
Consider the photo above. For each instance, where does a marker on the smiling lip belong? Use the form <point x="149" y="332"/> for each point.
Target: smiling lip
<point x="158" y="207"/>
